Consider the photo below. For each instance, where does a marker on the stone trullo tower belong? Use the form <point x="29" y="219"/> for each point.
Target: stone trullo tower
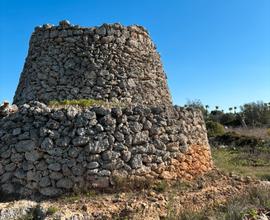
<point x="49" y="151"/>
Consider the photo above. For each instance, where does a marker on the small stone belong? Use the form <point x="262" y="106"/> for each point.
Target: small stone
<point x="104" y="173"/>
<point x="54" y="166"/>
<point x="135" y="126"/>
<point x="16" y="131"/>
<point x="63" y="142"/>
<point x="56" y="175"/>
<point x="101" y="31"/>
<point x="25" y="145"/>
<point x="136" y="161"/>
<point x="92" y="165"/>
<point x="119" y="136"/>
<point x="141" y="138"/>
<point x="47" y="144"/>
<point x="64" y="23"/>
<point x="58" y="115"/>
<point x="65" y="183"/>
<point x="44" y="181"/>
<point x="74" y="152"/>
<point x="50" y="191"/>
<point x="32" y="156"/>
<point x="1" y="169"/>
<point x="126" y="155"/>
<point x="10" y="167"/>
<point x="71" y="112"/>
<point x="80" y="141"/>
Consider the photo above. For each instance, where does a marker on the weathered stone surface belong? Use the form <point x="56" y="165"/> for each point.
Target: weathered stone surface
<point x="54" y="166"/>
<point x="44" y="181"/>
<point x="136" y="161"/>
<point x="50" y="191"/>
<point x="47" y="144"/>
<point x="80" y="141"/>
<point x="55" y="150"/>
<point x="141" y="138"/>
<point x="143" y="82"/>
<point x="25" y="145"/>
<point x="32" y="156"/>
<point x="64" y="183"/>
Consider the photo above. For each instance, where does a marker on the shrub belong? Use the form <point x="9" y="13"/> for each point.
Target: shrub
<point x="84" y="103"/>
<point x="51" y="210"/>
<point x="268" y="131"/>
<point x="214" y="129"/>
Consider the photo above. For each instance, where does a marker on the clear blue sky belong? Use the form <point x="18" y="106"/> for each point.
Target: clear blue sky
<point x="217" y="51"/>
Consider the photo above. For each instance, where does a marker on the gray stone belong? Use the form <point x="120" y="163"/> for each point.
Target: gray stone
<point x="55" y="152"/>
<point x="16" y="157"/>
<point x="63" y="141"/>
<point x="44" y="181"/>
<point x="92" y="165"/>
<point x="141" y="138"/>
<point x="104" y="173"/>
<point x="183" y="148"/>
<point x="136" y="161"/>
<point x="8" y="188"/>
<point x="108" y="121"/>
<point x="65" y="183"/>
<point x="78" y="170"/>
<point x="32" y="156"/>
<point x="25" y="145"/>
<point x="16" y="131"/>
<point x="50" y="191"/>
<point x="41" y="165"/>
<point x="80" y="131"/>
<point x="126" y="155"/>
<point x="72" y="112"/>
<point x="33" y="176"/>
<point x="5" y="177"/>
<point x="58" y="115"/>
<point x="135" y="126"/>
<point x="47" y="144"/>
<point x="54" y="166"/>
<point x="80" y="141"/>
<point x="1" y="169"/>
<point x="56" y="175"/>
<point x="97" y="146"/>
<point x="27" y="165"/>
<point x="64" y="23"/>
<point x="119" y="136"/>
<point x="10" y="167"/>
<point x="73" y="152"/>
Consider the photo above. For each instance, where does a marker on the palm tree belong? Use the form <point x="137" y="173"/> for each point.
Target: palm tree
<point x="234" y="109"/>
<point x="207" y="107"/>
<point x="217" y="107"/>
<point x="230" y="109"/>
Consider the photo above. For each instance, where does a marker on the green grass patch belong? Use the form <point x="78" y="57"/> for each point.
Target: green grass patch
<point x="51" y="210"/>
<point x="249" y="205"/>
<point x="84" y="103"/>
<point x="247" y="162"/>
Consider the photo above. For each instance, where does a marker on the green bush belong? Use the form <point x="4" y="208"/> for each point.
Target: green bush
<point x="268" y="131"/>
<point x="214" y="129"/>
<point x="84" y="103"/>
<point x="51" y="210"/>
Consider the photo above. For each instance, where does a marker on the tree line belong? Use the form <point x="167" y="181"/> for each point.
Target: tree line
<point x="254" y="114"/>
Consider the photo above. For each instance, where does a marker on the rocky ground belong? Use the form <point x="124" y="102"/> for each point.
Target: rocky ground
<point x="158" y="201"/>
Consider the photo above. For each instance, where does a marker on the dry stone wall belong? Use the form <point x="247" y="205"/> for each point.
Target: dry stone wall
<point x="110" y="62"/>
<point x="47" y="152"/>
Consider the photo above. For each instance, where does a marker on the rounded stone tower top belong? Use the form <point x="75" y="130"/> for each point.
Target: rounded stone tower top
<point x="111" y="62"/>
